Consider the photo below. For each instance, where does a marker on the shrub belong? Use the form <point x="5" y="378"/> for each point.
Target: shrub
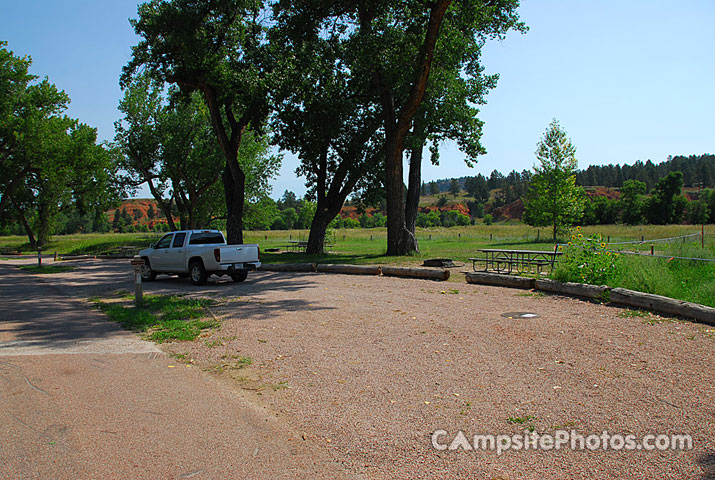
<point x="587" y="260"/>
<point x="351" y="223"/>
<point x="488" y="219"/>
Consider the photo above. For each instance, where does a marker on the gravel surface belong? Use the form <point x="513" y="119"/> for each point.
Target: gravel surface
<point x="374" y="365"/>
<point x="370" y="367"/>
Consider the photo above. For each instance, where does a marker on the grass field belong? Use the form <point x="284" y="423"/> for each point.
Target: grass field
<point x="683" y="279"/>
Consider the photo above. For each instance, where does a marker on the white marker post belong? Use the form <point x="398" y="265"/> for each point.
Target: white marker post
<point x="138" y="263"/>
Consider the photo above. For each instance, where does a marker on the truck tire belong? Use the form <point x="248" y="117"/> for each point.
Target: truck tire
<point x="239" y="275"/>
<point x="197" y="272"/>
<point x="148" y="275"/>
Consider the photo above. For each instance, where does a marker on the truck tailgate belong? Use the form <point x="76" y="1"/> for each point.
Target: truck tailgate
<point x="239" y="253"/>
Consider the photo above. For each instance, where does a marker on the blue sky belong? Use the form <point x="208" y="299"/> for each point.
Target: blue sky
<point x="628" y="79"/>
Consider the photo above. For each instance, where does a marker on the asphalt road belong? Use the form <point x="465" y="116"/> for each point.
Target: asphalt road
<point x="80" y="398"/>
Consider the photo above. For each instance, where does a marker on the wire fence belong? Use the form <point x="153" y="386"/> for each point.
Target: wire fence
<point x="679" y="243"/>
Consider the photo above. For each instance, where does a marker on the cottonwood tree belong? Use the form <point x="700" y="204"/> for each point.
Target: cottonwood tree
<point x="392" y="47"/>
<point x="48" y="162"/>
<point x="168" y="143"/>
<point x="323" y="117"/>
<point x="219" y="48"/>
<point x="553" y="198"/>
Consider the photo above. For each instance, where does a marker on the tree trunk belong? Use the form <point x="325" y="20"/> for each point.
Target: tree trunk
<point x="25" y="223"/>
<point x="415" y="179"/>
<point x="234" y="190"/>
<point x="400" y="241"/>
<point x="43" y="229"/>
<point x="396" y="231"/>
<point x="316" y="238"/>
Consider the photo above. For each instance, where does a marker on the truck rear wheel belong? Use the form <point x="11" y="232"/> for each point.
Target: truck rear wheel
<point x="197" y="273"/>
<point x="239" y="275"/>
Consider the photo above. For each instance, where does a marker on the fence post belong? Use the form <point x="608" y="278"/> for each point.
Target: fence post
<point x="39" y="256"/>
<point x="651" y="249"/>
<point x="702" y="236"/>
<point x="55" y="257"/>
<point x="137" y="263"/>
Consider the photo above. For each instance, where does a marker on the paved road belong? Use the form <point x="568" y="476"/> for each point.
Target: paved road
<point x="80" y="398"/>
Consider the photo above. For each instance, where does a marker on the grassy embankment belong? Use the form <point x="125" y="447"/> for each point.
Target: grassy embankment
<point x="683" y="279"/>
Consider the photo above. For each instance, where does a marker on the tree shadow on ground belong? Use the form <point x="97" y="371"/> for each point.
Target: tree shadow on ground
<point x="707" y="461"/>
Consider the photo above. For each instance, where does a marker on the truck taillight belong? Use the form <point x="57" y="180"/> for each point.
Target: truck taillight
<point x="259" y="253"/>
<point x="217" y="254"/>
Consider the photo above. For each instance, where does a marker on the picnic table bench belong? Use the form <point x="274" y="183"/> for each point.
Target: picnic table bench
<point x="521" y="261"/>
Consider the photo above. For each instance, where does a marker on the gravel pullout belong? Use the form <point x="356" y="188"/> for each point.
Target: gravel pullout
<point x="369" y="367"/>
<point x="374" y="365"/>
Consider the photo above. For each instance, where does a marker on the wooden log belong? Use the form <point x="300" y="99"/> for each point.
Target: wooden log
<point x="287" y="267"/>
<point x="349" y="269"/>
<point x="415" y="272"/>
<point x="597" y="292"/>
<point x="658" y="303"/>
<point x="499" y="280"/>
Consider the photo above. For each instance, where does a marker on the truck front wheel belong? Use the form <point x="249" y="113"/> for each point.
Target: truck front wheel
<point x="148" y="275"/>
<point x="197" y="272"/>
<point x="239" y="275"/>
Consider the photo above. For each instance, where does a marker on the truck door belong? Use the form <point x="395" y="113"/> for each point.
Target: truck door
<point x="159" y="258"/>
<point x="175" y="254"/>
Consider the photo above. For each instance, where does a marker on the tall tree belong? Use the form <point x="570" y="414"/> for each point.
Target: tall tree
<point x="322" y="116"/>
<point x="25" y="108"/>
<point x="139" y="139"/>
<point x="454" y="187"/>
<point x="392" y="48"/>
<point x="219" y="48"/>
<point x="666" y="204"/>
<point x="631" y="201"/>
<point x="553" y="198"/>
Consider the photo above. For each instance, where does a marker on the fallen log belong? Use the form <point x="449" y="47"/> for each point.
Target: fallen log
<point x="499" y="280"/>
<point x="597" y="292"/>
<point x="287" y="267"/>
<point x="349" y="269"/>
<point x="658" y="303"/>
<point x="413" y="272"/>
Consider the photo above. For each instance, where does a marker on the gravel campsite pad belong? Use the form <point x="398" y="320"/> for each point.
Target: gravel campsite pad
<point x="370" y="367"/>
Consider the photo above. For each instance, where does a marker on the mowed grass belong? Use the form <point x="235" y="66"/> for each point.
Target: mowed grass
<point x="683" y="279"/>
<point x="162" y="318"/>
<point x="80" y="244"/>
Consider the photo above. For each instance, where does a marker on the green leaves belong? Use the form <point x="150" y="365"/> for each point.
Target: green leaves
<point x="553" y="197"/>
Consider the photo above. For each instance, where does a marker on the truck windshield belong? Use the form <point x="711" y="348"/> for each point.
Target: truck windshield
<point x="206" y="238"/>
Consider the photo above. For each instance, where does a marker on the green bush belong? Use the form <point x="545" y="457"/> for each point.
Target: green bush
<point x="587" y="261"/>
<point x="351" y="223"/>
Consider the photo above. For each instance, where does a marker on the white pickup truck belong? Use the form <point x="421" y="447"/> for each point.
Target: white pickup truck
<point x="197" y="254"/>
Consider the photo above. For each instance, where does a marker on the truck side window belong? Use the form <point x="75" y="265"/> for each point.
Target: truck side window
<point x="178" y="240"/>
<point x="164" y="242"/>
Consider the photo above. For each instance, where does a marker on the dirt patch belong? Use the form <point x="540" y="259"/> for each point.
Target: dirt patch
<point x="370" y="367"/>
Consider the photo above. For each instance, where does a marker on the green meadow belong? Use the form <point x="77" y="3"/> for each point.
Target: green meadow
<point x="683" y="279"/>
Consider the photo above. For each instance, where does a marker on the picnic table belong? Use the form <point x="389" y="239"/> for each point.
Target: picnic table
<point x="521" y="261"/>
<point x="302" y="245"/>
